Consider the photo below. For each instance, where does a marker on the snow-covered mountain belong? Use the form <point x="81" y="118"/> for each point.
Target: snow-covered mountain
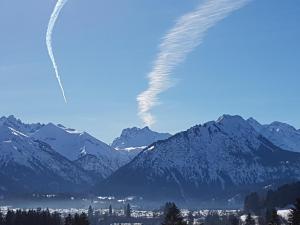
<point x="228" y="156"/>
<point x="76" y="145"/>
<point x="217" y="159"/>
<point x="28" y="166"/>
<point x="283" y="135"/>
<point x="137" y="138"/>
<point x="73" y="145"/>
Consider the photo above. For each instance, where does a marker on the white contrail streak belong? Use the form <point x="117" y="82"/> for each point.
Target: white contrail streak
<point x="187" y="34"/>
<point x="58" y="7"/>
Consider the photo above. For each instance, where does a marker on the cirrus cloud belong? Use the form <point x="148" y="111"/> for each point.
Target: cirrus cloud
<point x="186" y="35"/>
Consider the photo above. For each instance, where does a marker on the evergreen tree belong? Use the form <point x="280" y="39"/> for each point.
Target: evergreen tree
<point x="90" y="214"/>
<point x="167" y="207"/>
<point x="190" y="218"/>
<point x="252" y="203"/>
<point x="233" y="220"/>
<point x="212" y="218"/>
<point x="128" y="210"/>
<point x="76" y="219"/>
<point x="9" y="218"/>
<point x="97" y="216"/>
<point x="268" y="215"/>
<point x="69" y="220"/>
<point x="261" y="220"/>
<point x="110" y="211"/>
<point x="172" y="215"/>
<point x="56" y="218"/>
<point x="1" y="218"/>
<point x="273" y="218"/>
<point x="294" y="217"/>
<point x="18" y="218"/>
<point x="249" y="220"/>
<point x="83" y="219"/>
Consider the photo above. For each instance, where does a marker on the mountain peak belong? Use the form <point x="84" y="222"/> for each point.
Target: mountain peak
<point x="146" y="128"/>
<point x="138" y="137"/>
<point x="280" y="134"/>
<point x="252" y="120"/>
<point x="51" y="127"/>
<point x="130" y="130"/>
<point x="282" y="126"/>
<point x="17" y="124"/>
<point x="226" y="118"/>
<point x="236" y="125"/>
<point x="10" y="120"/>
<point x="255" y="124"/>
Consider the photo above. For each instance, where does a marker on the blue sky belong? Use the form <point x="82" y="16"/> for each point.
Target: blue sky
<point x="248" y="64"/>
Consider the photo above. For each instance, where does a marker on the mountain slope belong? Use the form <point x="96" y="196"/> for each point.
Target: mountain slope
<point x="28" y="166"/>
<point x="76" y="145"/>
<point x="94" y="165"/>
<point x="283" y="135"/>
<point x="218" y="159"/>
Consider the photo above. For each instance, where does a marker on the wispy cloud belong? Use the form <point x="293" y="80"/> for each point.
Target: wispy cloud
<point x="54" y="16"/>
<point x="187" y="34"/>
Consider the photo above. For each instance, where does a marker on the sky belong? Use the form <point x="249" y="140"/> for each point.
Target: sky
<point x="248" y="64"/>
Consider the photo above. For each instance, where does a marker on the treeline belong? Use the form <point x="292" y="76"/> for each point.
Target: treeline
<point x="213" y="218"/>
<point x="285" y="195"/>
<point x="172" y="215"/>
<point x="271" y="216"/>
<point x="41" y="217"/>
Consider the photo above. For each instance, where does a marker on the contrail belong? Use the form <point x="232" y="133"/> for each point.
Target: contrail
<point x="187" y="34"/>
<point x="58" y="7"/>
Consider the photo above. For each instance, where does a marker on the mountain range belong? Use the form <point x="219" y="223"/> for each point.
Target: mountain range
<point x="217" y="160"/>
<point x="52" y="158"/>
<point x="28" y="165"/>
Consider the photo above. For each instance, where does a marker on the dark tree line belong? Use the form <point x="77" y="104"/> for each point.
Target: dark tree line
<point x="40" y="217"/>
<point x="294" y="217"/>
<point x="31" y="217"/>
<point x="172" y="216"/>
<point x="285" y="195"/>
<point x="77" y="219"/>
<point x="213" y="218"/>
<point x="270" y="216"/>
